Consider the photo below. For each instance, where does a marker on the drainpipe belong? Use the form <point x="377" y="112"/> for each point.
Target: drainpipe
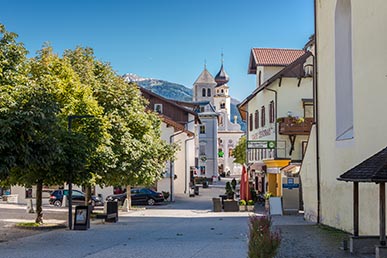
<point x="275" y="120"/>
<point x="186" y="162"/>
<point x="315" y="114"/>
<point x="171" y="174"/>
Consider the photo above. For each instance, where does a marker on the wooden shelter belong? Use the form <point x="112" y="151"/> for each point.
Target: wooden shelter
<point x="372" y="170"/>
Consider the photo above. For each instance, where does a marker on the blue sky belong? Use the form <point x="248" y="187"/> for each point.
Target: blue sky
<point x="164" y="39"/>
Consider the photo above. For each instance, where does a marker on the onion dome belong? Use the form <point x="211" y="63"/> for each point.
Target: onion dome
<point x="221" y="77"/>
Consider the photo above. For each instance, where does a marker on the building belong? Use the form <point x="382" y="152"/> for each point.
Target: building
<point x="178" y="126"/>
<point x="218" y="135"/>
<point x="351" y="90"/>
<point x="279" y="115"/>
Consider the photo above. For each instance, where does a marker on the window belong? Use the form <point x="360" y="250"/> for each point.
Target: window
<point x="271" y="110"/>
<point x="202" y="149"/>
<point x="230" y="150"/>
<point x="256" y="119"/>
<point x="222" y="105"/>
<point x="158" y="108"/>
<point x="203" y="92"/>
<point x="202" y="170"/>
<point x="222" y="91"/>
<point x="343" y="70"/>
<point x="201" y="109"/>
<point x="208" y="92"/>
<point x="251" y="122"/>
<point x="202" y="129"/>
<point x="220" y="120"/>
<point x="263" y="116"/>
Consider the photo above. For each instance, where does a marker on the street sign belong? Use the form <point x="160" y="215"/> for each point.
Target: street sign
<point x="261" y="144"/>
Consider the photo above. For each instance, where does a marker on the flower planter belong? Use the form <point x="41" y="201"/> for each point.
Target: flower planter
<point x="250" y="208"/>
<point x="242" y="208"/>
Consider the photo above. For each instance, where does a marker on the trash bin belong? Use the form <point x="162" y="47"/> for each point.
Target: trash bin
<point x="217" y="205"/>
<point x="196" y="190"/>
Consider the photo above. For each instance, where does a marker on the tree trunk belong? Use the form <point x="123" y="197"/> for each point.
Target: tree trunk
<point x="88" y="195"/>
<point x="128" y="199"/>
<point x="39" y="210"/>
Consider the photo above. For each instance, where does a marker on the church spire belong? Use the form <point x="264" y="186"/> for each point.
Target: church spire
<point x="221" y="77"/>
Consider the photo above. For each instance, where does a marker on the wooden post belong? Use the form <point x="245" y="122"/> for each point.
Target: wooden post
<point x="356" y="209"/>
<point x="382" y="213"/>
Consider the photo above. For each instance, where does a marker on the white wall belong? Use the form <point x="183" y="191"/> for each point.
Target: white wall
<point x="369" y="91"/>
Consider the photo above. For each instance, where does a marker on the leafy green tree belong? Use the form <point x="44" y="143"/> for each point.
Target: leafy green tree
<point x="135" y="155"/>
<point x="13" y="72"/>
<point x="239" y="152"/>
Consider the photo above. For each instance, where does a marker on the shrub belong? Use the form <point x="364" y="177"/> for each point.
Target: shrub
<point x="250" y="202"/>
<point x="242" y="202"/>
<point x="263" y="243"/>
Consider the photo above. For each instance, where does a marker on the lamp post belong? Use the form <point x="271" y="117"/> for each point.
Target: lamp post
<point x="70" y="195"/>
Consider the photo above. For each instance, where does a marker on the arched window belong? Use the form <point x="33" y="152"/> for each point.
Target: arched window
<point x="343" y="70"/>
<point x="222" y="105"/>
<point x="203" y="92"/>
<point x="208" y="92"/>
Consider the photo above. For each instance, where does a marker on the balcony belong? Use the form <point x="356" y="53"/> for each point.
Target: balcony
<point x="294" y="126"/>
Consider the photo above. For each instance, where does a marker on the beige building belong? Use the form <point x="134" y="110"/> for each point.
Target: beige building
<point x="278" y="114"/>
<point x="351" y="91"/>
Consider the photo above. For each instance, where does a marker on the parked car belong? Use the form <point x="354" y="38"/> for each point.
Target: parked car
<point x="78" y="198"/>
<point x="138" y="196"/>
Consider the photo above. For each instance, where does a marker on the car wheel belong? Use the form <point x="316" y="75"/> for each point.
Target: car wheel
<point x="151" y="201"/>
<point x="57" y="203"/>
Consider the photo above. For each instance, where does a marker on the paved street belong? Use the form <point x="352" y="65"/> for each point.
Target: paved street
<point x="186" y="228"/>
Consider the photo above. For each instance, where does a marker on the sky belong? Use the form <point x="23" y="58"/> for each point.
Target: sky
<point x="170" y="40"/>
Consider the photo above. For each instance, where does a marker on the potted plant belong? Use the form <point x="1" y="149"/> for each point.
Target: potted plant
<point x="242" y="205"/>
<point x="250" y="205"/>
<point x="229" y="191"/>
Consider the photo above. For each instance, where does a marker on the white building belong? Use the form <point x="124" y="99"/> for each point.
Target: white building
<point x="351" y="90"/>
<point x="217" y="134"/>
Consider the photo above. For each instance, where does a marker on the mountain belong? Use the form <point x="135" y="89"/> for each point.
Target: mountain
<point x="175" y="91"/>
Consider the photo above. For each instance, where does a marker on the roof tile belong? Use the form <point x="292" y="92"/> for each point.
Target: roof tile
<point x="276" y="56"/>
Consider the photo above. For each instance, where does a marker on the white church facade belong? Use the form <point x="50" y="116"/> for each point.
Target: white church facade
<point x="218" y="134"/>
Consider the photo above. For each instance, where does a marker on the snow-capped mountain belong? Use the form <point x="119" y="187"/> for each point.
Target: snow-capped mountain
<point x="174" y="91"/>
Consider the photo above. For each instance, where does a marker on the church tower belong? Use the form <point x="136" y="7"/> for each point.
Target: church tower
<point x="204" y="86"/>
<point x="222" y="98"/>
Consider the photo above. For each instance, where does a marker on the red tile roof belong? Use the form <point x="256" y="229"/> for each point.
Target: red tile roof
<point x="276" y="56"/>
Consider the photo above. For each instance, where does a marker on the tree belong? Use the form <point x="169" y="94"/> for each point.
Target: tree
<point x="13" y="72"/>
<point x="135" y="154"/>
<point x="239" y="152"/>
<point x="38" y="147"/>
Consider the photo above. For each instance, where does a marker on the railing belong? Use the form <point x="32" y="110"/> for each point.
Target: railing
<point x="295" y="126"/>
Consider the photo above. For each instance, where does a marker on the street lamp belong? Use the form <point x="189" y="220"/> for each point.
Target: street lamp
<point x="70" y="195"/>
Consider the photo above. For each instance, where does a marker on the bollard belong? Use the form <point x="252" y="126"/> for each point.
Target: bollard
<point x="64" y="201"/>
